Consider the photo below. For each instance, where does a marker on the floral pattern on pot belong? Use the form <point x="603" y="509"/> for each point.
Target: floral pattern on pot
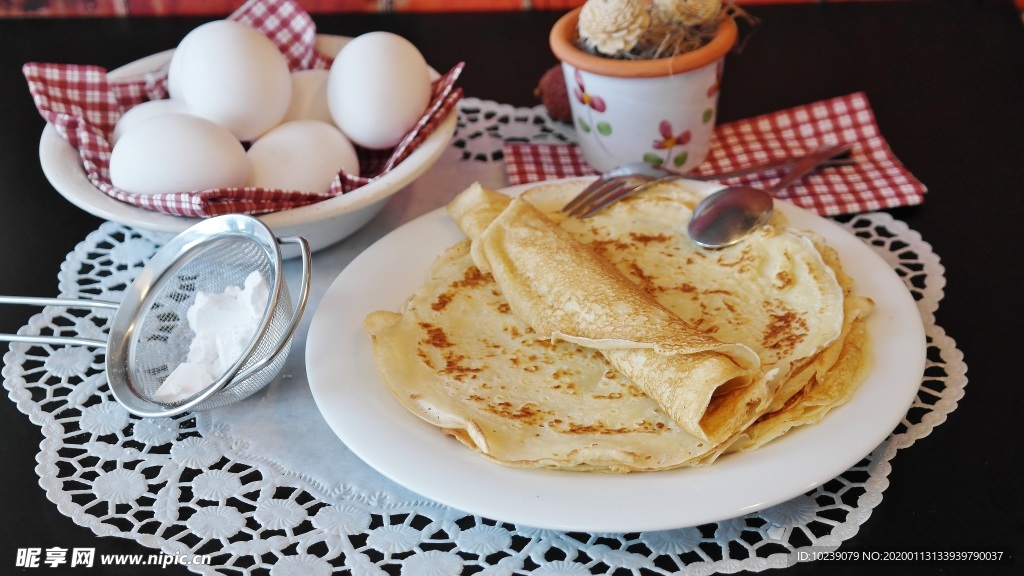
<point x="665" y="121"/>
<point x="637" y="95"/>
<point x="669" y="142"/>
<point x="591" y="103"/>
<point x="709" y="113"/>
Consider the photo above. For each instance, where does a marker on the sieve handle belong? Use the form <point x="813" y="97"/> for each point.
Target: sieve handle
<point x="300" y="307"/>
<point x="30" y="301"/>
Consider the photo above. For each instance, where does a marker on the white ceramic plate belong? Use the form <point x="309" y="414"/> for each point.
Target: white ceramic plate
<point x="362" y="412"/>
<point x="322" y="224"/>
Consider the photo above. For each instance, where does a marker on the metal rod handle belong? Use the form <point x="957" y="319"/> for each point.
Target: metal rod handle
<point x="70" y="303"/>
<point x="65" y="340"/>
<point x="807" y="164"/>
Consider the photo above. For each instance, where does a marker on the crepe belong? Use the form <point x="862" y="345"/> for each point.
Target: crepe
<point x="523" y="344"/>
<point x="774" y="292"/>
<point x="782" y="292"/>
<point x="827" y="380"/>
<point x="459" y="358"/>
<point x="564" y="291"/>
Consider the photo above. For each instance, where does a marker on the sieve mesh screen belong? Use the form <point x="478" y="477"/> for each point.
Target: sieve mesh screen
<point x="162" y="334"/>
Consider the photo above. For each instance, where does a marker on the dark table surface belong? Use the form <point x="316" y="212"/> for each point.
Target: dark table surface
<point x="946" y="82"/>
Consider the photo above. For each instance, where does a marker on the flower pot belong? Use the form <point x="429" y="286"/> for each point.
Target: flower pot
<point x="658" y="111"/>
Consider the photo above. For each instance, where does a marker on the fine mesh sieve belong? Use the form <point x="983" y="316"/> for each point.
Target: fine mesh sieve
<point x="150" y="335"/>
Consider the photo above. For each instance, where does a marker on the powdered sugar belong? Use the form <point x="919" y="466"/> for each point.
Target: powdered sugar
<point x="223" y="324"/>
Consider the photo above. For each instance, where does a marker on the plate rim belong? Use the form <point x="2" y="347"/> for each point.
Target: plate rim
<point x="536" y="505"/>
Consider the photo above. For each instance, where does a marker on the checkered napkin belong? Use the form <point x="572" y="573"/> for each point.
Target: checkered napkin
<point x="83" y="106"/>
<point x="877" y="181"/>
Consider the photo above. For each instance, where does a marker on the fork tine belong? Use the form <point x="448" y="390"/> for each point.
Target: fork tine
<point x="584" y="194"/>
<point x="611" y="197"/>
<point x="610" y="194"/>
<point x="587" y="192"/>
<point x="599" y="196"/>
<point x="619" y="194"/>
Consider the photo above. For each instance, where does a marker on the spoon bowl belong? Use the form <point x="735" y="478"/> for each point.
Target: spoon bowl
<point x="733" y="213"/>
<point x="730" y="215"/>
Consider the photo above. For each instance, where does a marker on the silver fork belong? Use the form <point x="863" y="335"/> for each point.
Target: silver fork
<point x="611" y="186"/>
<point x="611" y="181"/>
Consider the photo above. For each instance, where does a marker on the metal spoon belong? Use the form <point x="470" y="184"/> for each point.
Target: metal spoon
<point x="733" y="213"/>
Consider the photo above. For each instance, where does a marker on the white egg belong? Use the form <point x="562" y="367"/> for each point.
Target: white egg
<point x="145" y="110"/>
<point x="233" y="75"/>
<point x="303" y="155"/>
<point x="175" y="152"/>
<point x="379" y="87"/>
<point x="309" y="97"/>
<point x="174" y="73"/>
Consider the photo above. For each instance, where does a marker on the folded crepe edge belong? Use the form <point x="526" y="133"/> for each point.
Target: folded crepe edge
<point x="449" y="421"/>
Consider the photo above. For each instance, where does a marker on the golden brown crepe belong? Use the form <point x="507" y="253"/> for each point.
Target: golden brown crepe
<point x="825" y="381"/>
<point x="459" y="358"/>
<point x="564" y="291"/>
<point x="774" y="292"/>
<point x="527" y="346"/>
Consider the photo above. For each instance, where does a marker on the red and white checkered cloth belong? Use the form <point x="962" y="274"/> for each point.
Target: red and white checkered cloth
<point x="84" y="106"/>
<point x="877" y="181"/>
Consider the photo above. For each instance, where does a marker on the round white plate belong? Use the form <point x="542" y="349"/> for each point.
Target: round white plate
<point x="361" y="410"/>
<point x="322" y="224"/>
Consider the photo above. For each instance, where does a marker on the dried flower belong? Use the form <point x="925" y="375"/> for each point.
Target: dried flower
<point x="648" y="29"/>
<point x="613" y="26"/>
<point x="693" y="13"/>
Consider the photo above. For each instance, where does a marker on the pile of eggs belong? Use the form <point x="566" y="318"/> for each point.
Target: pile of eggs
<point x="237" y="116"/>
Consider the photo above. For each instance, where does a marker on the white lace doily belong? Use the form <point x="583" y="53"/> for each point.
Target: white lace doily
<point x="263" y="486"/>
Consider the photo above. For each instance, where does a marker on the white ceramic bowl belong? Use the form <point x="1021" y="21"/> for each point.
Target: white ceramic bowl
<point x="321" y="224"/>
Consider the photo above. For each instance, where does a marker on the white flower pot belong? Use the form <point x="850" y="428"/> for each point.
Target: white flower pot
<point x="657" y="111"/>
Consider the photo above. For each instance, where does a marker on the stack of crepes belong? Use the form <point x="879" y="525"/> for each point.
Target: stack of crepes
<point x="615" y="343"/>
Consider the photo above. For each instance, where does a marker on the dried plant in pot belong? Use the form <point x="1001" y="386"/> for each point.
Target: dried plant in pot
<point x="643" y="78"/>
